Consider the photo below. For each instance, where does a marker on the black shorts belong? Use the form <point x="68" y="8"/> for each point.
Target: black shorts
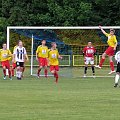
<point x="118" y="67"/>
<point x="20" y="64"/>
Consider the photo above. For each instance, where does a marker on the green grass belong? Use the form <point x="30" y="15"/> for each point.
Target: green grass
<point x="70" y="99"/>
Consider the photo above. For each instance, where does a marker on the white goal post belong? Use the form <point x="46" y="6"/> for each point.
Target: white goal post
<point x="52" y="28"/>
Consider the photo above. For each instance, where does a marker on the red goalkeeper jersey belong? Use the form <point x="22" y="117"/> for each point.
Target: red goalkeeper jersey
<point x="89" y="51"/>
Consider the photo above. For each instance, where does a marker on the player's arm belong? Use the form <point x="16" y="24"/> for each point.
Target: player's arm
<point x="36" y="56"/>
<point x="103" y="31"/>
<point x="37" y="53"/>
<point x="84" y="51"/>
<point x="9" y="53"/>
<point x="48" y="61"/>
<point x="59" y="56"/>
<point x="95" y="51"/>
<point x="25" y="55"/>
<point x="115" y="46"/>
<point x="48" y="58"/>
<point x="115" y="43"/>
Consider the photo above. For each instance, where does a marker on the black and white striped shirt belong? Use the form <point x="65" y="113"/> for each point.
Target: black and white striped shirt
<point x="20" y="54"/>
<point x="117" y="56"/>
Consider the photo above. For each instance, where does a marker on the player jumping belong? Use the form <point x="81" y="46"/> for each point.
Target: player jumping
<point x="19" y="56"/>
<point x="112" y="42"/>
<point x="42" y="58"/>
<point x="53" y="56"/>
<point x="88" y="53"/>
<point x="117" y="58"/>
<point x="5" y="56"/>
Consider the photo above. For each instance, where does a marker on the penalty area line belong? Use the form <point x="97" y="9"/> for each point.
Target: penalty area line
<point x="95" y="77"/>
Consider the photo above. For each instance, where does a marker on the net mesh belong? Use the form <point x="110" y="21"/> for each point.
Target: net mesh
<point x="74" y="41"/>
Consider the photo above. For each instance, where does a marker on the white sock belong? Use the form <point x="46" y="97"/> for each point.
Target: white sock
<point x="17" y="73"/>
<point x="20" y="74"/>
<point x="116" y="78"/>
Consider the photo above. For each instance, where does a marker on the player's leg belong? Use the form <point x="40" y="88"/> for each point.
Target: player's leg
<point x="39" y="70"/>
<point x="18" y="71"/>
<point x="4" y="72"/>
<point x="46" y="71"/>
<point x="85" y="70"/>
<point x="92" y="66"/>
<point x="102" y="59"/>
<point x="107" y="52"/>
<point x="86" y="61"/>
<point x="54" y="70"/>
<point x="40" y="61"/>
<point x="9" y="70"/>
<point x="4" y="69"/>
<point x="111" y="65"/>
<point x="23" y="70"/>
<point x="93" y="70"/>
<point x="45" y="67"/>
<point x="13" y="68"/>
<point x="56" y="73"/>
<point x="117" y="75"/>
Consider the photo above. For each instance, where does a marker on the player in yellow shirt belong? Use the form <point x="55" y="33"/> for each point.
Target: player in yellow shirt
<point x="5" y="56"/>
<point x="42" y="58"/>
<point x="112" y="43"/>
<point x="53" y="56"/>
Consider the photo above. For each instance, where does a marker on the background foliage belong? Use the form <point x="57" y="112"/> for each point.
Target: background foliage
<point x="58" y="13"/>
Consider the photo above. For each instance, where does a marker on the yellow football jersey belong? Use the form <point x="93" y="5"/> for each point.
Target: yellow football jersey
<point x="14" y="49"/>
<point x="5" y="55"/>
<point x="53" y="57"/>
<point x="42" y="51"/>
<point x="111" y="40"/>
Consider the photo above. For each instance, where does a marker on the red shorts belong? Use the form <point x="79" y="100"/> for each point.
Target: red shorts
<point x="6" y="64"/>
<point x="14" y="65"/>
<point x="110" y="51"/>
<point x="56" y="68"/>
<point x="43" y="62"/>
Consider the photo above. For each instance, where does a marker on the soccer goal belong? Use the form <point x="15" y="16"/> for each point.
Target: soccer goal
<point x="70" y="41"/>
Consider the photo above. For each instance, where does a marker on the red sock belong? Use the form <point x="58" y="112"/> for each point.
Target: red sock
<point x="38" y="73"/>
<point x="112" y="66"/>
<point x="56" y="76"/>
<point x="4" y="72"/>
<point x="101" y="62"/>
<point x="9" y="73"/>
<point x="12" y="71"/>
<point x="45" y="72"/>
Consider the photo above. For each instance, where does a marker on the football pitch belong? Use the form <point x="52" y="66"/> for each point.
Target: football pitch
<point x="73" y="98"/>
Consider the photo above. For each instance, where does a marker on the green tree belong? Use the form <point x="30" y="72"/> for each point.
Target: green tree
<point x="58" y="13"/>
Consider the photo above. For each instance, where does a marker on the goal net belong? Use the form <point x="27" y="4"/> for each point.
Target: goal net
<point x="70" y="41"/>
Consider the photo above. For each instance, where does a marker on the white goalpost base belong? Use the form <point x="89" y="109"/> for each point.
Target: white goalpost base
<point x="52" y="28"/>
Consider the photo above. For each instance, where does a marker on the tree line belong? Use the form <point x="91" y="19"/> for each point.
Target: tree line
<point x="58" y="13"/>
